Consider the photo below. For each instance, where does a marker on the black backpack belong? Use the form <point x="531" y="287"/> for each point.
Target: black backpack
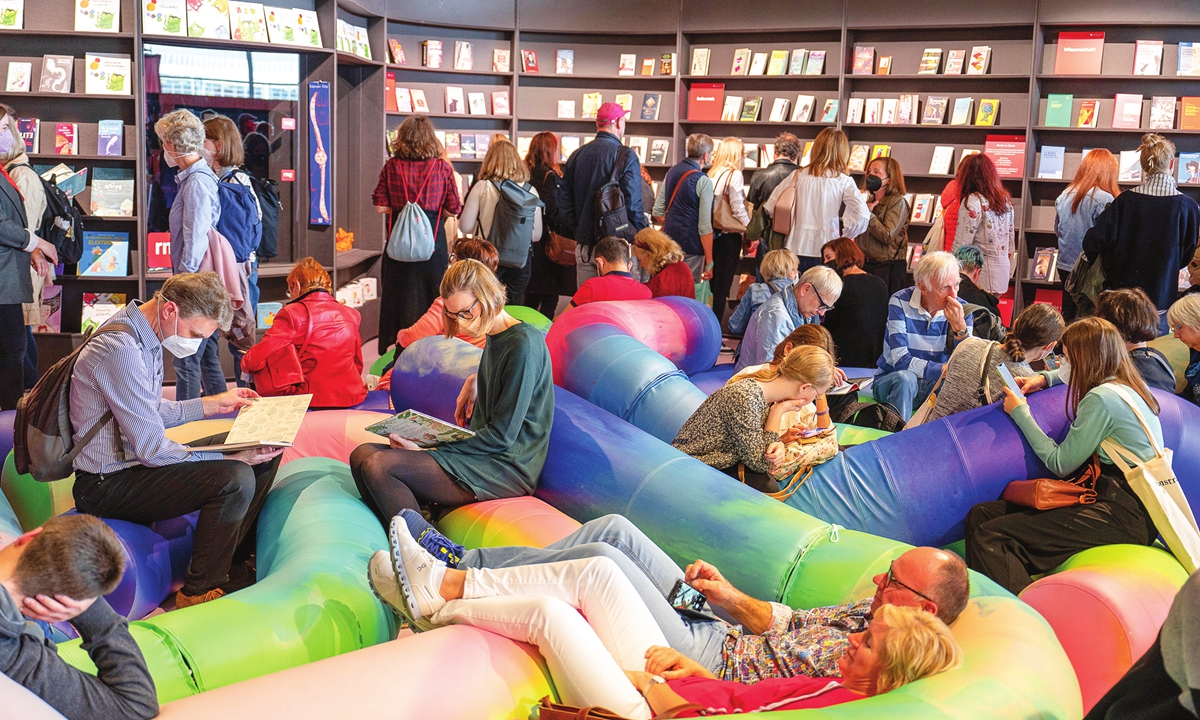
<point x="880" y="416"/>
<point x="612" y="217"/>
<point x="267" y="191"/>
<point x="62" y="222"/>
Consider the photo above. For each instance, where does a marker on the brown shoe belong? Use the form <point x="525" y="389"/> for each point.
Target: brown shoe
<point x="182" y="601"/>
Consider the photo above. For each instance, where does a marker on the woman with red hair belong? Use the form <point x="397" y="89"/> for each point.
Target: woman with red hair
<point x="985" y="220"/>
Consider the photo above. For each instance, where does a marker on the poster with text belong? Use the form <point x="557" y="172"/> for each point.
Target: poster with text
<point x="320" y="168"/>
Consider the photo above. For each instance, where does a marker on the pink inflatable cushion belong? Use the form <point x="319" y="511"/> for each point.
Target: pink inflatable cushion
<point x="524" y="521"/>
<point x="1106" y="606"/>
<point x="333" y="434"/>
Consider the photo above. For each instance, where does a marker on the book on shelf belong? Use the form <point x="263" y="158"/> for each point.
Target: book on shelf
<point x="30" y="130"/>
<point x="105" y="16"/>
<point x="625" y="100"/>
<point x="500" y="104"/>
<point x="935" y="110"/>
<point x="247" y="21"/>
<point x="741" y="61"/>
<point x="731" y="109"/>
<point x="1189" y="113"/>
<point x="112" y="192"/>
<point x="69" y="181"/>
<point x="802" y="112"/>
<point x="766" y="155"/>
<point x="591" y="104"/>
<point x="1088" y="110"/>
<point x="961" y="114"/>
<point x="564" y="62"/>
<point x="888" y="115"/>
<point x="796" y="66"/>
<point x="56" y="73"/>
<point x="1189" y="168"/>
<point x="922" y="209"/>
<point x="206" y="19"/>
<point x="1189" y="59"/>
<point x="529" y="61"/>
<point x="397" y="51"/>
<point x="830" y="112"/>
<point x="931" y="60"/>
<point x="884" y="66"/>
<point x="1048" y="296"/>
<point x="420" y="104"/>
<point x="966" y="153"/>
<point x="872" y="110"/>
<point x="266" y="313"/>
<point x="750" y="109"/>
<point x="943" y="155"/>
<point x="989" y="110"/>
<point x="751" y="158"/>
<point x="779" y="110"/>
<point x="1127" y="111"/>
<point x="98" y="308"/>
<point x="66" y="139"/>
<point x="638" y="145"/>
<point x="105" y="254"/>
<point x="907" y="109"/>
<point x="1079" y="53"/>
<point x="110" y="138"/>
<point x="880" y="151"/>
<point x="389" y="92"/>
<point x="1162" y="113"/>
<point x="106" y="74"/>
<point x="854" y="111"/>
<point x="1043" y="266"/>
<point x="937" y="208"/>
<point x="50" y="315"/>
<point x="816" y="63"/>
<point x="915" y="251"/>
<point x="1147" y="57"/>
<point x="570" y="143"/>
<point x="20" y="76"/>
<point x="466" y="145"/>
<point x="1050" y="162"/>
<point x="431" y="53"/>
<point x="647" y="66"/>
<point x="955" y="59"/>
<point x="627" y="64"/>
<point x="778" y="64"/>
<point x="806" y="158"/>
<point x="12" y="14"/>
<point x="440" y="135"/>
<point x="1058" y="110"/>
<point x="864" y="60"/>
<point x="980" y="61"/>
<point x="477" y="103"/>
<point x="464" y="57"/>
<point x="501" y="60"/>
<point x="453" y="144"/>
<point x="523" y="144"/>
<point x="566" y="109"/>
<point x="288" y="26"/>
<point x="658" y="151"/>
<point x="758" y="64"/>
<point x="360" y="44"/>
<point x="404" y="100"/>
<point x="483" y="141"/>
<point x="455" y="102"/>
<point x="651" y="102"/>
<point x="666" y="64"/>
<point x="1008" y="154"/>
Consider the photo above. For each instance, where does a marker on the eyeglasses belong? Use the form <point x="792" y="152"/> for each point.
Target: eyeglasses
<point x="1175" y="328"/>
<point x="821" y="304"/>
<point x="462" y="314"/>
<point x="891" y="580"/>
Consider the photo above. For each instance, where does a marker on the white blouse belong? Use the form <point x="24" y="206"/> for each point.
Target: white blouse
<point x="737" y="194"/>
<point x="815" y="211"/>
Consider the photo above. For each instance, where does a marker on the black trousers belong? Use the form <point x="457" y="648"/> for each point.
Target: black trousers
<point x="13" y="338"/>
<point x="892" y="272"/>
<point x="727" y="250"/>
<point x="515" y="281"/>
<point x="390" y="480"/>
<point x="1146" y="692"/>
<point x="228" y="494"/>
<point x="1010" y="543"/>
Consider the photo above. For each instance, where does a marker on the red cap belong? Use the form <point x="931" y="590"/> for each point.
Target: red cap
<point x="609" y="112"/>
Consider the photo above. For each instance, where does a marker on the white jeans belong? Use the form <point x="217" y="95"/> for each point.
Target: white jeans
<point x="584" y="616"/>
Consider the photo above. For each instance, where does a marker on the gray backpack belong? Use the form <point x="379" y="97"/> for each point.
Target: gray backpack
<point x="512" y="222"/>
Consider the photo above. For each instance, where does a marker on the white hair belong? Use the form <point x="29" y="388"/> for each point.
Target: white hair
<point x="934" y="267"/>
<point x="826" y="282"/>
<point x="1186" y="312"/>
<point x="182" y="129"/>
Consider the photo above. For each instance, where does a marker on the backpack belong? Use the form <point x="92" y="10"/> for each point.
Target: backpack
<point x="239" y="221"/>
<point x="986" y="325"/>
<point x="62" y="222"/>
<point x="877" y="415"/>
<point x="43" y="445"/>
<point x="267" y="191"/>
<point x="512" y="222"/>
<point x="612" y="217"/>
<point x="412" y="238"/>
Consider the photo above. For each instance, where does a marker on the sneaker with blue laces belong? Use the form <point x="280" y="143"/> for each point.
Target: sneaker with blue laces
<point x="428" y="537"/>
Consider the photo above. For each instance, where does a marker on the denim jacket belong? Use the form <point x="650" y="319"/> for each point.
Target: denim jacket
<point x="1072" y="226"/>
<point x="756" y="295"/>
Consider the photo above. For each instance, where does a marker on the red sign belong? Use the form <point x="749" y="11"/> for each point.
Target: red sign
<point x="287" y="176"/>
<point x="705" y="101"/>
<point x="1008" y="153"/>
<point x="158" y="252"/>
<point x="288" y="123"/>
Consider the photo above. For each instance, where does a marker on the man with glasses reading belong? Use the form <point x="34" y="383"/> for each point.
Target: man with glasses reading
<point x="806" y="301"/>
<point x="925" y="323"/>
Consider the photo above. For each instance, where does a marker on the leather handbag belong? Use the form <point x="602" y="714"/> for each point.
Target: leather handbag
<point x="1050" y="493"/>
<point x="548" y="710"/>
<point x="723" y="218"/>
<point x="560" y="249"/>
<point x="282" y="374"/>
<point x="781" y="219"/>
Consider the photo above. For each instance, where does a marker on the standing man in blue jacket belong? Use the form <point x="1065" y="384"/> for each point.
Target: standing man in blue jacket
<point x="684" y="206"/>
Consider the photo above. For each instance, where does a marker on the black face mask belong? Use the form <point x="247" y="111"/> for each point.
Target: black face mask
<point x="832" y="265"/>
<point x="873" y="183"/>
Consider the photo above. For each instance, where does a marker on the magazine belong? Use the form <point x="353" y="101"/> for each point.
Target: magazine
<point x="422" y="429"/>
<point x="266" y="422"/>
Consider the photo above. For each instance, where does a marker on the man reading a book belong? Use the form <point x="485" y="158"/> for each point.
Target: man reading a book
<point x="130" y="470"/>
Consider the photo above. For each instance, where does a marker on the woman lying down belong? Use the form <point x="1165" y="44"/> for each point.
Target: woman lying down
<point x="601" y="643"/>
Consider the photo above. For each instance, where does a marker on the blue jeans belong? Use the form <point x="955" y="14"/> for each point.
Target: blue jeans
<point x="903" y="390"/>
<point x="650" y="570"/>
<point x="201" y="369"/>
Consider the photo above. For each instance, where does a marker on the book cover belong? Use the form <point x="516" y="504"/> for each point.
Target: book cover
<point x="1147" y="57"/>
<point x="1189" y="115"/>
<point x="523" y="144"/>
<point x="266" y="314"/>
<point x="432" y="53"/>
<point x="591" y="104"/>
<point x="931" y="60"/>
<point x="816" y="63"/>
<point x="1079" y="53"/>
<point x="885" y="65"/>
<point x="872" y="111"/>
<point x="731" y="109"/>
<point x="981" y="60"/>
<point x="501" y="60"/>
<point x="420" y="104"/>
<point x="110" y="138"/>
<point x="916" y="250"/>
<point x="803" y="109"/>
<point x="281" y="25"/>
<point x="1050" y="162"/>
<point x="389" y="93"/>
<point x="854" y="111"/>
<point x="962" y="111"/>
<point x="1189" y="168"/>
<point x="158" y="252"/>
<point x="453" y="145"/>
<point x="164" y="17"/>
<point x="247" y="21"/>
<point x="98" y="308"/>
<point x="12" y="14"/>
<point x="1088" y="109"/>
<point x="464" y="58"/>
<point x="658" y="151"/>
<point x="966" y="153"/>
<point x="955" y="59"/>
<point x="455" y="103"/>
<point x="652" y="101"/>
<point x="778" y="63"/>
<point x="1043" y="264"/>
<point x="51" y="310"/>
<point x="66" y="139"/>
<point x="830" y="112"/>
<point x="943" y="155"/>
<point x="30" y="129"/>
<point x="500" y="102"/>
<point x="751" y="109"/>
<point x="467" y="145"/>
<point x="758" y="64"/>
<point x="920" y="211"/>
<point x="864" y="60"/>
<point x="208" y="19"/>
<point x="105" y="254"/>
<point x="112" y="192"/>
<point x="99" y="16"/>
<point x="420" y="428"/>
<point x="566" y="109"/>
<point x="666" y="64"/>
<point x="397" y="52"/>
<point x="880" y="151"/>
<point x="647" y="66"/>
<point x="766" y="154"/>
<point x="1008" y="153"/>
<point x="858" y="157"/>
<point x="483" y="141"/>
<point x="1127" y="111"/>
<point x="1189" y="59"/>
<point x="799" y="56"/>
<point x="56" y="73"/>
<point x="564" y="62"/>
<point x="888" y="116"/>
<point x="779" y="110"/>
<point x="627" y="64"/>
<point x="806" y="158"/>
<point x="625" y="100"/>
<point x="70" y="182"/>
<point x="1162" y="113"/>
<point x="935" y="110"/>
<point x="570" y="143"/>
<point x="477" y="103"/>
<point x="404" y="101"/>
<point x="107" y="74"/>
<point x="638" y="145"/>
<point x="989" y="110"/>
<point x="741" y="61"/>
<point x="308" y="32"/>
<point x="529" y="61"/>
<point x="1129" y="163"/>
<point x="362" y="43"/>
<point x="19" y="76"/>
<point x="1058" y="110"/>
<point x="700" y="57"/>
<point x="907" y="110"/>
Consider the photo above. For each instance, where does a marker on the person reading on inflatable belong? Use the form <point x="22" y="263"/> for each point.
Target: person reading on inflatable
<point x="603" y="647"/>
<point x="509" y="404"/>
<point x="60" y="573"/>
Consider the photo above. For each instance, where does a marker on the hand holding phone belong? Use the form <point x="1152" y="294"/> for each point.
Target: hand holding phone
<point x="687" y="600"/>
<point x="1009" y="381"/>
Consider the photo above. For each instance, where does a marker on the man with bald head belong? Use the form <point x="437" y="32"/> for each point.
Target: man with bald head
<point x="765" y="640"/>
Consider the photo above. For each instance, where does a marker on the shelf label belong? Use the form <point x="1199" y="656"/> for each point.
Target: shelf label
<point x="288" y="123"/>
<point x="287" y="176"/>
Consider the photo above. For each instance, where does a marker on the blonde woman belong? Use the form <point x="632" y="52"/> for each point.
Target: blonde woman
<point x="728" y="431"/>
<point x="509" y="405"/>
<point x="1147" y="234"/>
<point x="1184" y="320"/>
<point x="821" y="189"/>
<point x="662" y="257"/>
<point x="501" y="163"/>
<point x="779" y="269"/>
<point x="728" y="203"/>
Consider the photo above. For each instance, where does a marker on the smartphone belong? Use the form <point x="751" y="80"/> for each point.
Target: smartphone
<point x="687" y="600"/>
<point x="811" y="432"/>
<point x="1007" y="376"/>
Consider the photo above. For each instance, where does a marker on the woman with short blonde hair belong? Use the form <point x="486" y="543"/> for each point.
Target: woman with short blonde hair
<point x="662" y="258"/>
<point x="1183" y="318"/>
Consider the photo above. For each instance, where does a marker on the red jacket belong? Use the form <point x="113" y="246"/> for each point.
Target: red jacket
<point x="674" y="279"/>
<point x="330" y="356"/>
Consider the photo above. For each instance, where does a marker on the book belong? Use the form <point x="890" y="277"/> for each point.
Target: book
<point x="638" y="145"/>
<point x="455" y="103"/>
<point x="1189" y="168"/>
<point x="1088" y="110"/>
<point x="627" y="65"/>
<point x="404" y="102"/>
<point x="700" y="57"/>
<point x="112" y="192"/>
<point x="307" y="30"/>
<point x="529" y="61"/>
<point x="464" y="58"/>
<point x="281" y="25"/>
<point x="106" y="74"/>
<point x="872" y="110"/>
<point x="803" y="108"/>
<point x="931" y="60"/>
<point x="570" y="143"/>
<point x="1008" y="153"/>
<point x="389" y="92"/>
<point x="476" y="103"/>
<point x="779" y="110"/>
<point x="980" y="61"/>
<point x="1043" y="264"/>
<point x="966" y="153"/>
<point x="500" y="102"/>
<point x="989" y="109"/>
<point x="778" y="64"/>
<point x="658" y="151"/>
<point x="30" y="130"/>
<point x="267" y="422"/>
<point x="943" y="155"/>
<point x="864" y="60"/>
<point x="961" y="114"/>
<point x="110" y="138"/>
<point x="888" y="116"/>
<point x="591" y="104"/>
<point x="1050" y="162"/>
<point x="935" y="110"/>
<point x="105" y="254"/>
<point x="453" y="144"/>
<point x="1162" y="113"/>
<point x="104" y="16"/>
<point x="758" y="64"/>
<point x="247" y="21"/>
<point x="266" y="312"/>
<point x="566" y="108"/>
<point x="501" y="60"/>
<point x="19" y="76"/>
<point x="647" y="66"/>
<point x="907" y="109"/>
<point x="1079" y="53"/>
<point x="431" y="53"/>
<point x="955" y="60"/>
<point x="98" y="308"/>
<point x="816" y="63"/>
<point x="66" y="139"/>
<point x="208" y="19"/>
<point x="854" y="110"/>
<point x="885" y="65"/>
<point x="880" y="151"/>
<point x="420" y="104"/>
<point x="1058" y="110"/>
<point x="1189" y="113"/>
<point x="420" y="428"/>
<point x="732" y="108"/>
<point x="564" y="62"/>
<point x="397" y="51"/>
<point x="12" y="14"/>
<point x="360" y="44"/>
<point x="666" y="64"/>
<point x="916" y="250"/>
<point x="830" y="112"/>
<point x="1189" y="59"/>
<point x="652" y="101"/>
<point x="751" y="109"/>
<point x="50" y="314"/>
<point x="56" y="73"/>
<point x="922" y="209"/>
<point x="466" y="144"/>
<point x="1147" y="57"/>
<point x="806" y="158"/>
<point x="1127" y="111"/>
<point x="625" y="100"/>
<point x="483" y="141"/>
<point x="858" y="157"/>
<point x="523" y="144"/>
<point x="799" y="56"/>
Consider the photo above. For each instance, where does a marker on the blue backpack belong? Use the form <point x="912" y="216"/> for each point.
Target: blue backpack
<point x="239" y="221"/>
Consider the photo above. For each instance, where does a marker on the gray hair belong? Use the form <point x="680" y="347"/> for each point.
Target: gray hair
<point x="698" y="145"/>
<point x="18" y="142"/>
<point x="199" y="295"/>
<point x="826" y="282"/>
<point x="935" y="266"/>
<point x="182" y="129"/>
<point x="969" y="257"/>
<point x="1186" y="312"/>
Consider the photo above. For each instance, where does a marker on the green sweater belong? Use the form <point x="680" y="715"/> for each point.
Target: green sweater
<point x="512" y="418"/>
<point x="1102" y="414"/>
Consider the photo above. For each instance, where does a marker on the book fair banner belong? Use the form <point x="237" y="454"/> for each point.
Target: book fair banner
<point x="319" y="182"/>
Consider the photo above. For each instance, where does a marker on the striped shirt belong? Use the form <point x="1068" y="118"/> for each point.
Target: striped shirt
<point x="1159" y="185"/>
<point x="118" y="372"/>
<point x="916" y="340"/>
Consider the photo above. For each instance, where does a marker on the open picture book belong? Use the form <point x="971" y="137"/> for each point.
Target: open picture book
<point x="420" y="428"/>
<point x="268" y="422"/>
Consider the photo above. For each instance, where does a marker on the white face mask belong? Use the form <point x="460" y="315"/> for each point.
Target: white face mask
<point x="181" y="347"/>
<point x="474" y="328"/>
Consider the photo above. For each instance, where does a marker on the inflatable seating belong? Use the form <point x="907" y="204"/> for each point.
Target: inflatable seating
<point x="378" y="366"/>
<point x="529" y="315"/>
<point x="333" y="434"/>
<point x="10" y="529"/>
<point x="20" y="703"/>
<point x="34" y="502"/>
<point x="376" y="400"/>
<point x="7" y="419"/>
<point x="429" y="374"/>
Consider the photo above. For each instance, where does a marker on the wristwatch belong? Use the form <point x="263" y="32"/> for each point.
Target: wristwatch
<point x="656" y="680"/>
<point x="960" y="333"/>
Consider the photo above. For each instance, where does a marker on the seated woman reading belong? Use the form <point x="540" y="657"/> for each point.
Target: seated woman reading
<point x="509" y="404"/>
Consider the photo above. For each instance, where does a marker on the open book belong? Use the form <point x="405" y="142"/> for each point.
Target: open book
<point x="268" y="422"/>
<point x="422" y="429"/>
<point x="852" y="385"/>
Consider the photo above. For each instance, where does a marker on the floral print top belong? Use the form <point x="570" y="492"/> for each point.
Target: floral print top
<point x="799" y="642"/>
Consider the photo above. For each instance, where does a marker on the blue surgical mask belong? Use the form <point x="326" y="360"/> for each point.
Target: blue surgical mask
<point x="6" y="141"/>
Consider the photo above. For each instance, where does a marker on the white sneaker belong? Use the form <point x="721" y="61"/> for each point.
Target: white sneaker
<point x="386" y="586"/>
<point x="420" y="574"/>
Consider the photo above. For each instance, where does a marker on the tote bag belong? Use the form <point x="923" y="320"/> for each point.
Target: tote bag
<point x="935" y="239"/>
<point x="1154" y="482"/>
<point x="723" y="218"/>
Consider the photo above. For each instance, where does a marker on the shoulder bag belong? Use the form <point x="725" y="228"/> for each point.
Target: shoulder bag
<point x="935" y="239"/>
<point x="781" y="219"/>
<point x="1085" y="283"/>
<point x="282" y="374"/>
<point x="548" y="710"/>
<point x="723" y="218"/>
<point x="1051" y="493"/>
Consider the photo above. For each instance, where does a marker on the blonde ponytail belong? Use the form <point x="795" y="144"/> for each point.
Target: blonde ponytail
<point x="1157" y="152"/>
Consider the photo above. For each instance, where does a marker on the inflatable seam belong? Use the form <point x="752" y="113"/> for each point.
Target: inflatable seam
<point x="633" y="405"/>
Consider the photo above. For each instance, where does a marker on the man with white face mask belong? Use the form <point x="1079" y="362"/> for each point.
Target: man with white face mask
<point x="131" y="470"/>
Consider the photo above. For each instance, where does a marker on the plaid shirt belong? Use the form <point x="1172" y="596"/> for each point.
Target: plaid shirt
<point x="401" y="181"/>
<point x="799" y="642"/>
